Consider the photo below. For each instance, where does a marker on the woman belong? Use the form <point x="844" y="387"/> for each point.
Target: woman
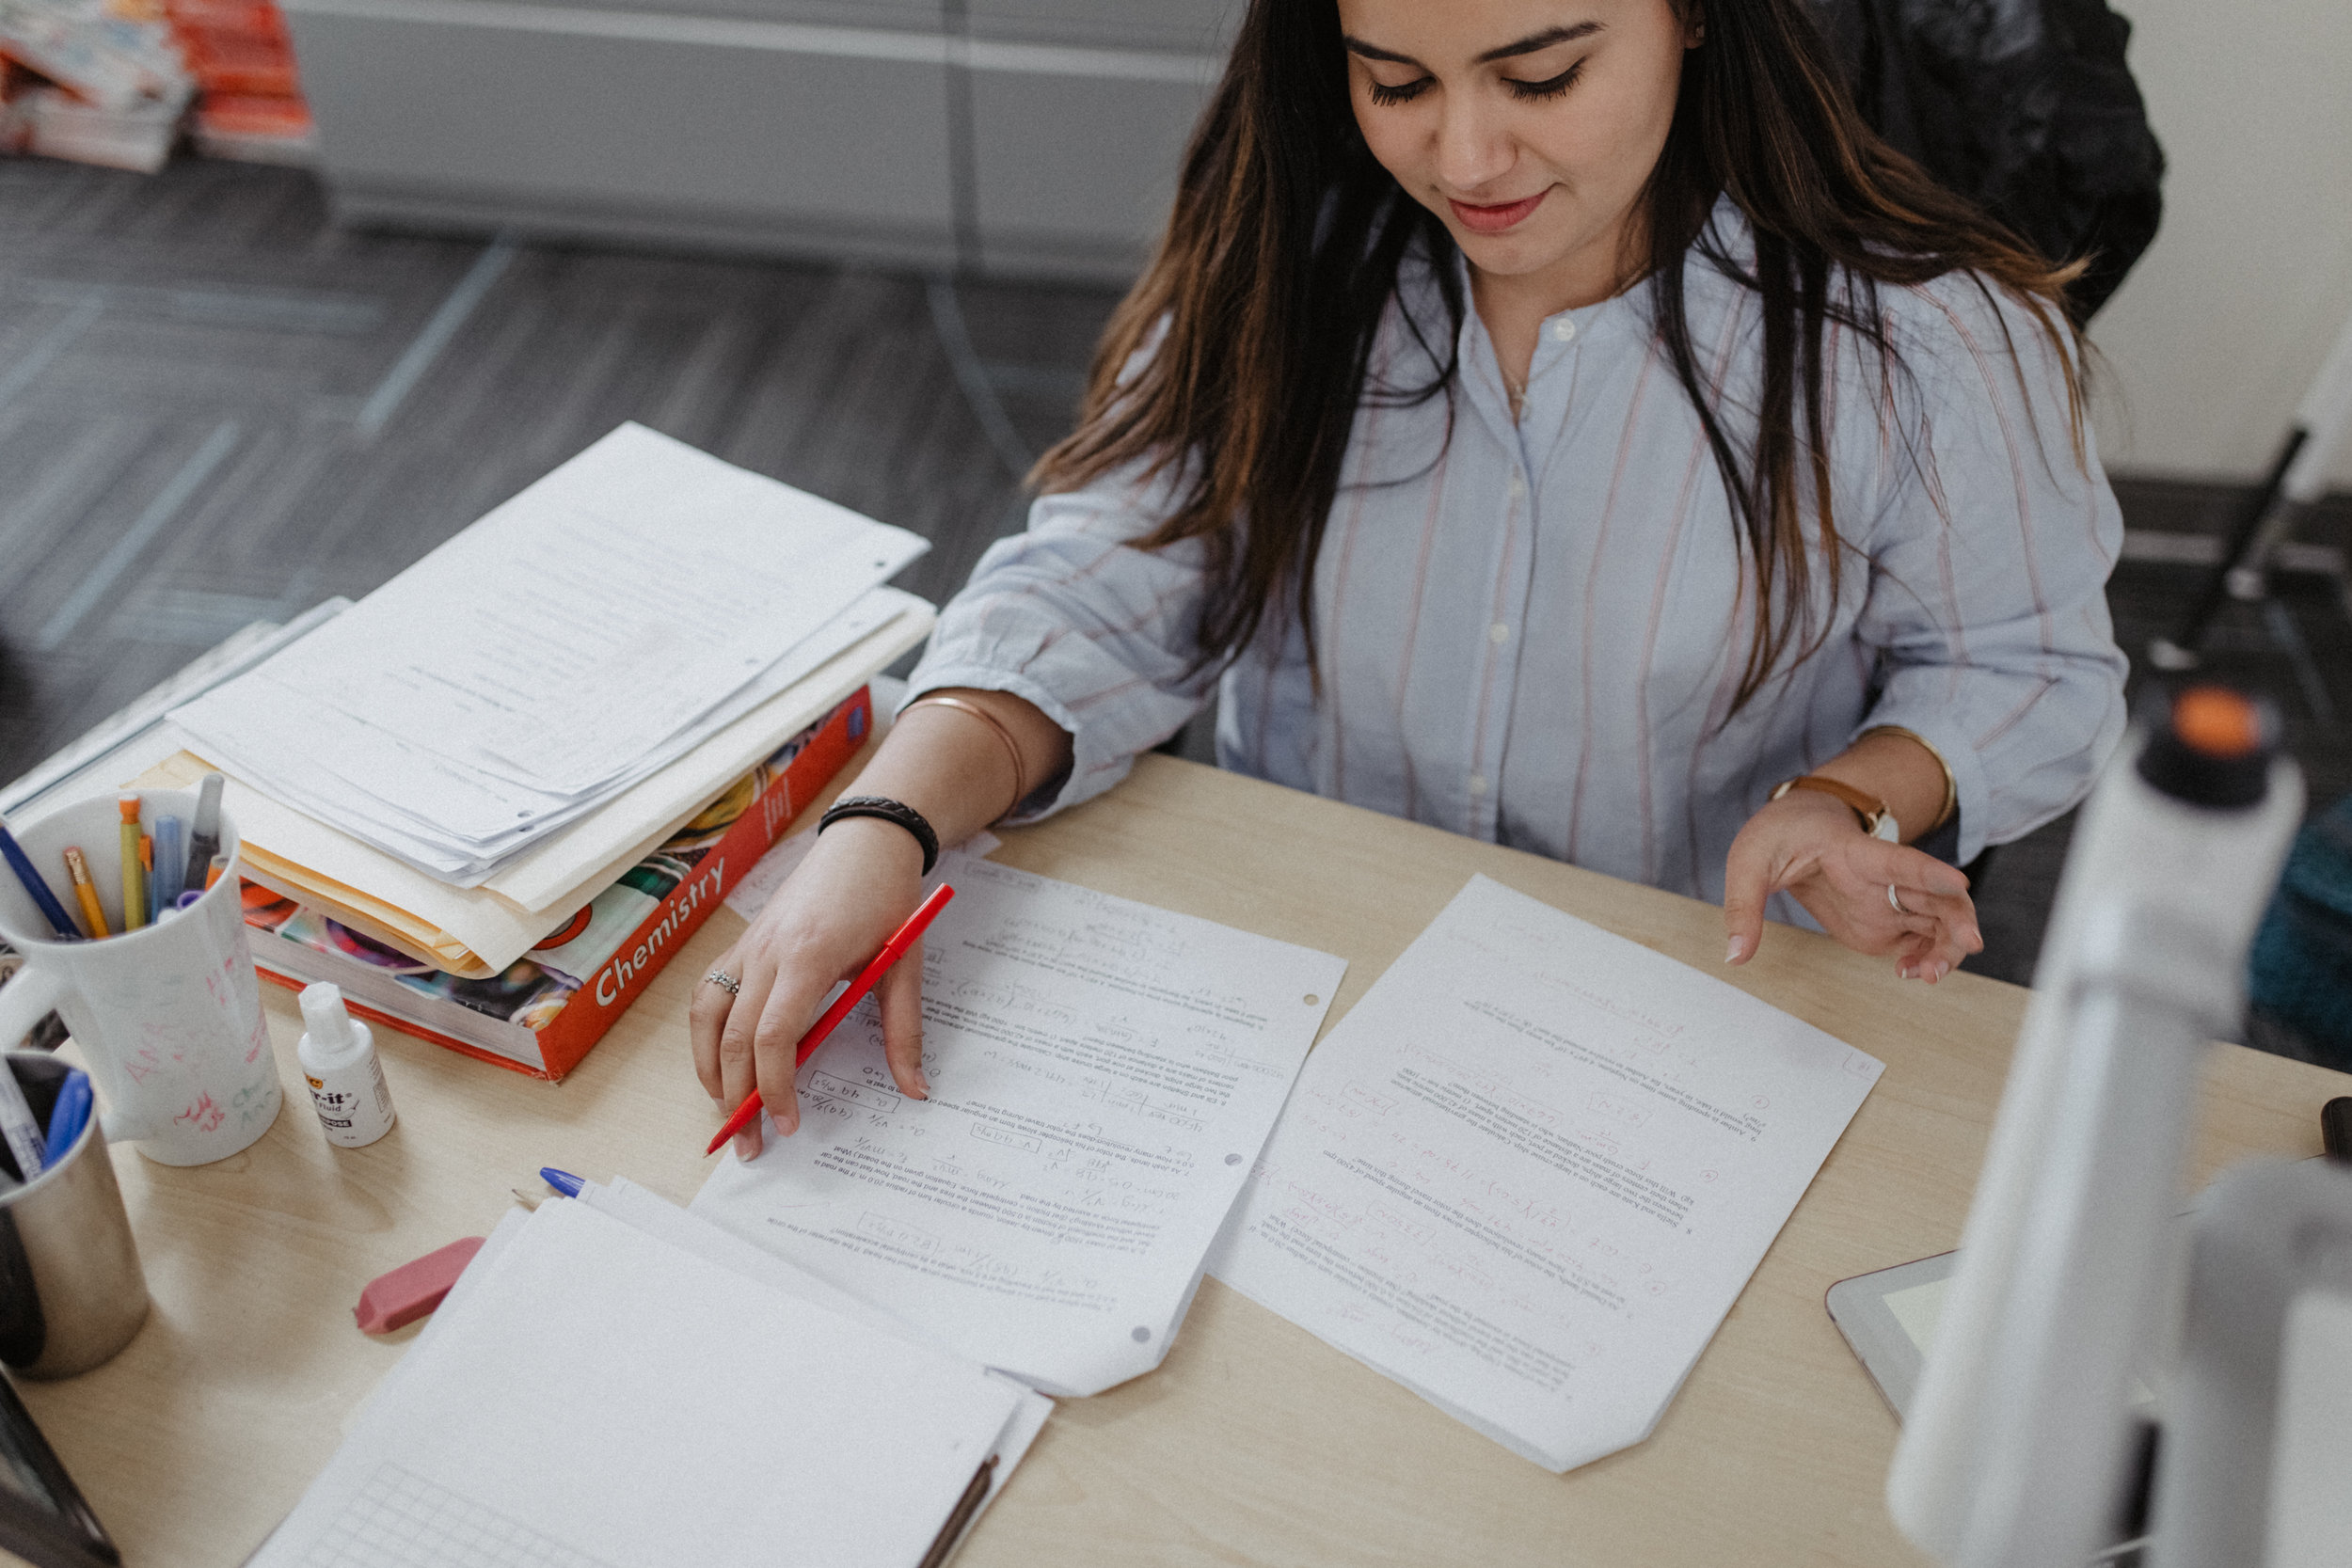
<point x="1558" y="420"/>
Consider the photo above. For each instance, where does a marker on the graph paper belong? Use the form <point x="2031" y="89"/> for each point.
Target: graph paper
<point x="401" y="1520"/>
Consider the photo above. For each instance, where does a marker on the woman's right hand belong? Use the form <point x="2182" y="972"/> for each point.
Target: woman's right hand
<point x="860" y="882"/>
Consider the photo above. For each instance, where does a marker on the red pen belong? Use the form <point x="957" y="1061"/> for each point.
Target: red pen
<point x="893" y="950"/>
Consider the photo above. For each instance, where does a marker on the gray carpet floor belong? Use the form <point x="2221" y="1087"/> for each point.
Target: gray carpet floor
<point x="216" y="407"/>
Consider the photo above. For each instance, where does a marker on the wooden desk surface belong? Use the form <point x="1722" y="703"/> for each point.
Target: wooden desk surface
<point x="1255" y="1443"/>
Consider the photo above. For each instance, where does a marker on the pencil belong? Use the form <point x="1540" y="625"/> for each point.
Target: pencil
<point x="147" y="877"/>
<point x="78" y="868"/>
<point x="134" y="874"/>
<point x="959" y="1517"/>
<point x="893" y="950"/>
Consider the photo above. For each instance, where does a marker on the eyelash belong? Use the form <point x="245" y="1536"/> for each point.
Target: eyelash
<point x="1551" y="88"/>
<point x="1406" y="92"/>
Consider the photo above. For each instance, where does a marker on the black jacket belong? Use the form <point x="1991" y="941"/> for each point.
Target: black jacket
<point x="2024" y="105"/>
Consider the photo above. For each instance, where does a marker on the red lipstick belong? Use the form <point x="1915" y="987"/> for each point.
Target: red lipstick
<point x="1494" y="220"/>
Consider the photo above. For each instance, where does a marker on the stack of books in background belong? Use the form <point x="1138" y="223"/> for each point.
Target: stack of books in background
<point x="91" y="81"/>
<point x="112" y="82"/>
<point x="249" y="104"/>
<point x="494" y="798"/>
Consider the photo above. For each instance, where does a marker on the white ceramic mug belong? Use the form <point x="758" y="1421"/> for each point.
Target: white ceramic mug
<point x="168" y="1016"/>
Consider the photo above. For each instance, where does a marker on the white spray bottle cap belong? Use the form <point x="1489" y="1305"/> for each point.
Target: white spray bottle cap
<point x="330" y="1027"/>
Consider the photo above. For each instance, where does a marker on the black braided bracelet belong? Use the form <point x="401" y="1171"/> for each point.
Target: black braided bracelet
<point x="888" y="810"/>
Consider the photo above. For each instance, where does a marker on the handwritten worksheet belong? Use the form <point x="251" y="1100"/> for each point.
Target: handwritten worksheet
<point x="1530" y="1170"/>
<point x="1102" y="1073"/>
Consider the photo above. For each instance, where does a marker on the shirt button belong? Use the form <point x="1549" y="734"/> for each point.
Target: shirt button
<point x="1517" y="486"/>
<point x="1499" y="632"/>
<point x="1478" y="784"/>
<point x="1563" y="330"/>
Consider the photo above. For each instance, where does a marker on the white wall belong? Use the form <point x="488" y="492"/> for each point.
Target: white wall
<point x="2220" y="329"/>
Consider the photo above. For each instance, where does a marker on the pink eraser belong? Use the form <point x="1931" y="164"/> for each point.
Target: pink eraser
<point x="399" y="1298"/>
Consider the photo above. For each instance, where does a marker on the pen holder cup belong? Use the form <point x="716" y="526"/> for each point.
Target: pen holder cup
<point x="169" y="1017"/>
<point x="71" y="1292"/>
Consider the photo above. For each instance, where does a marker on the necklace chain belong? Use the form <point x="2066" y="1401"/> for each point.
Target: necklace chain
<point x="1515" y="390"/>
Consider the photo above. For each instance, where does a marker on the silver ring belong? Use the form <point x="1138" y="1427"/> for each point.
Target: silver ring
<point x="1897" y="903"/>
<point x="735" y="987"/>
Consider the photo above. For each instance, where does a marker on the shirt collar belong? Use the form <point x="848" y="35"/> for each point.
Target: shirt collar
<point x="1600" y="324"/>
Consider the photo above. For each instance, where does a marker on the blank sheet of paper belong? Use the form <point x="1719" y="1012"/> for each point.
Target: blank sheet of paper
<point x="1530" y="1170"/>
<point x="659" y="1218"/>
<point x="1101" y="1074"/>
<point x="602" y="1396"/>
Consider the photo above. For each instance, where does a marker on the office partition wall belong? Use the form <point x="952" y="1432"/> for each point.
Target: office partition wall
<point x="1018" y="137"/>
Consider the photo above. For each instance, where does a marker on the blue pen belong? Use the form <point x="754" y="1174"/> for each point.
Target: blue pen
<point x="68" y="1116"/>
<point x="50" y="910"/>
<point x="171" y="863"/>
<point x="563" y="1180"/>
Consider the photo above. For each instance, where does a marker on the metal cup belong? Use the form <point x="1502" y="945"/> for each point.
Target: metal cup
<point x="72" y="1292"/>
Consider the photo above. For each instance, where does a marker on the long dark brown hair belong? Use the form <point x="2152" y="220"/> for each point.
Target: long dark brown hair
<point x="1260" y="309"/>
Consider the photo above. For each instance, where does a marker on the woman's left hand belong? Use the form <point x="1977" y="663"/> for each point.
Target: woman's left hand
<point x="1810" y="844"/>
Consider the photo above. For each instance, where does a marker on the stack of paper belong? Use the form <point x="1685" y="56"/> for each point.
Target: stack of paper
<point x="577" y="641"/>
<point x="1101" y="1075"/>
<point x="138" y="735"/>
<point x="1532" y="1169"/>
<point x="478" y="931"/>
<point x="615" y="1384"/>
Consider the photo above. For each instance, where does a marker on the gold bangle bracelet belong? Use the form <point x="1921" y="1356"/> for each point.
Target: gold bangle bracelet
<point x="1013" y="747"/>
<point x="1951" y="785"/>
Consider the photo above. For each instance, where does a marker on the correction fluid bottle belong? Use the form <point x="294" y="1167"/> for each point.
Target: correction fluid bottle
<point x="339" y="1063"/>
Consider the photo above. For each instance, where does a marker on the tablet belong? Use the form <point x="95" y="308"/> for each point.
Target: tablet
<point x="1888" y="1319"/>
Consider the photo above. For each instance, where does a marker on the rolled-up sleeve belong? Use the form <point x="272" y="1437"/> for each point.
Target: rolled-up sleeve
<point x="1989" y="560"/>
<point x="1098" y="634"/>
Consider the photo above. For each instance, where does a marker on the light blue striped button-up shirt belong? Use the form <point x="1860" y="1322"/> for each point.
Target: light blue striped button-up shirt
<point x="1532" y="632"/>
